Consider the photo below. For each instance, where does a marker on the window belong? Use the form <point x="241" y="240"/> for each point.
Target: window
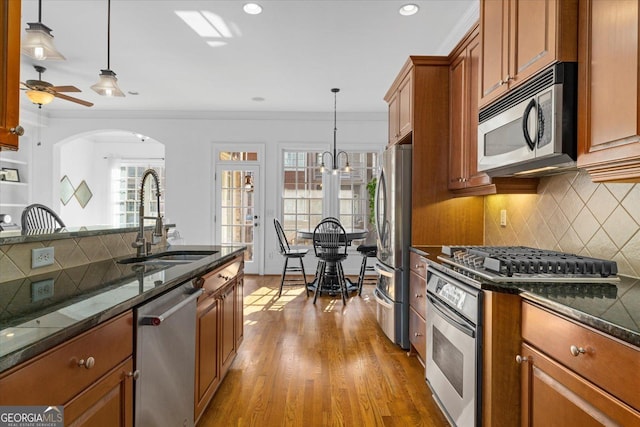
<point x="126" y="185"/>
<point x="301" y="193"/>
<point x="354" y="196"/>
<point x="304" y="203"/>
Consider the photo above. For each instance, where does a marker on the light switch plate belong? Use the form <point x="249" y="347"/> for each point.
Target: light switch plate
<point x="42" y="257"/>
<point x="503" y="217"/>
<point x="41" y="290"/>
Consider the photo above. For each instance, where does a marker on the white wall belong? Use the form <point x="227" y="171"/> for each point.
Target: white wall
<point x="189" y="142"/>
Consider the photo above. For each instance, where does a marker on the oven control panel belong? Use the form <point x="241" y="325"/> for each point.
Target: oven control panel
<point x="458" y="296"/>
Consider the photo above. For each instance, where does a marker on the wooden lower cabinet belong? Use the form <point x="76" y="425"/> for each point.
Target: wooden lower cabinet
<point x="573" y="375"/>
<point x="91" y="375"/>
<point x="219" y="329"/>
<point x="418" y="305"/>
<point x="552" y="395"/>
<point x="108" y="403"/>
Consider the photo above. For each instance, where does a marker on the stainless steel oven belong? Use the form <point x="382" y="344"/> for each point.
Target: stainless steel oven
<point x="454" y="332"/>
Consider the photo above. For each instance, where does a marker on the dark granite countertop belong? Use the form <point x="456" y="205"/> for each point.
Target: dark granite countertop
<point x="12" y="237"/>
<point x="613" y="309"/>
<point x="39" y="312"/>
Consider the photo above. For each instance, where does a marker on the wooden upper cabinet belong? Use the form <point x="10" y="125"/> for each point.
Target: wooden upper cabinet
<point x="608" y="90"/>
<point x="463" y="149"/>
<point x="400" y="100"/>
<point x="9" y="73"/>
<point x="522" y="37"/>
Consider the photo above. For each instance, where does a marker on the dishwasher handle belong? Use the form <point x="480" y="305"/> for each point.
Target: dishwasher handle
<point x="153" y="320"/>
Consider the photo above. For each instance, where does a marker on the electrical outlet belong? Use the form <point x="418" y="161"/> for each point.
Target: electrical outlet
<point x="41" y="290"/>
<point x="503" y="217"/>
<point x="42" y="257"/>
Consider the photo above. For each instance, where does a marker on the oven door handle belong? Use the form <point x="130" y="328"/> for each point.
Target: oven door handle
<point x="450" y="317"/>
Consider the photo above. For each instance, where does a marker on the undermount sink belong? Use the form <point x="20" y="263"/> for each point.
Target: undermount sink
<point x="172" y="257"/>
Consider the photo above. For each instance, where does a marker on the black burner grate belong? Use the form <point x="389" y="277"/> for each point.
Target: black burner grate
<point x="510" y="260"/>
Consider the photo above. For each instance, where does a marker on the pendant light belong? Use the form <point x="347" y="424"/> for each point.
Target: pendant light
<point x="108" y="83"/>
<point x="336" y="154"/>
<point x="38" y="43"/>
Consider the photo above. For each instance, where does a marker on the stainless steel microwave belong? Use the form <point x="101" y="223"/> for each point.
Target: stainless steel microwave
<point x="532" y="130"/>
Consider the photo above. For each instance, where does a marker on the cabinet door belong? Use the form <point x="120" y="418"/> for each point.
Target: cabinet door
<point x="394" y="111"/>
<point x="227" y="326"/>
<point x="207" y="361"/>
<point x="458" y="120"/>
<point x="417" y="334"/>
<point x="107" y="403"/>
<point x="405" y="112"/>
<point x="239" y="332"/>
<point x="533" y="37"/>
<point x="474" y="178"/>
<point x="9" y="72"/>
<point x="555" y="396"/>
<point x="609" y="80"/>
<point x="494" y="35"/>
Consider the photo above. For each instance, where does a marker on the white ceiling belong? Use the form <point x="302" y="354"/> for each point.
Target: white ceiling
<point x="291" y="55"/>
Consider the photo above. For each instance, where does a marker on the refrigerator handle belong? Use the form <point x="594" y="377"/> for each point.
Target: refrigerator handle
<point x="376" y="210"/>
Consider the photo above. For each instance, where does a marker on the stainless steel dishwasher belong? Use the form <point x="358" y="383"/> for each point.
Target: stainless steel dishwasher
<point x="165" y="359"/>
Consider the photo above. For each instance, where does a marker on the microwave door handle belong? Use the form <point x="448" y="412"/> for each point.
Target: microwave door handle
<point x="525" y="124"/>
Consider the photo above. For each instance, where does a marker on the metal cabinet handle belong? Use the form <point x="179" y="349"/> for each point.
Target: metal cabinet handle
<point x="135" y="374"/>
<point x="18" y="130"/>
<point x="88" y="363"/>
<point x="418" y="266"/>
<point x="577" y="351"/>
<point x="419" y="295"/>
<point x="520" y="359"/>
<point x="417" y="334"/>
<point x="508" y="78"/>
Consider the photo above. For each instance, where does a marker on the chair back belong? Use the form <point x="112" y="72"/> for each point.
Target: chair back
<point x="40" y="217"/>
<point x="330" y="239"/>
<point x="282" y="238"/>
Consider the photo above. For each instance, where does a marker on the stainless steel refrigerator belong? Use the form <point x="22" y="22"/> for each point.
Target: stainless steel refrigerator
<point x="393" y="224"/>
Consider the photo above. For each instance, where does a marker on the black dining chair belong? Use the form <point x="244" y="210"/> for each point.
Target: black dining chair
<point x="40" y="217"/>
<point x="287" y="252"/>
<point x="330" y="246"/>
<point x="367" y="251"/>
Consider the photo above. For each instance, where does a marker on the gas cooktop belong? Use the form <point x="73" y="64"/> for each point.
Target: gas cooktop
<point x="524" y="264"/>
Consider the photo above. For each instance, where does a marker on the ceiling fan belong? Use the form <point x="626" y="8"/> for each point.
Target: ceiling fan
<point x="41" y="92"/>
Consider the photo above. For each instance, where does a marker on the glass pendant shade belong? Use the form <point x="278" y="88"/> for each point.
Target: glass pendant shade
<point x="39" y="97"/>
<point x="108" y="84"/>
<point x="38" y="43"/>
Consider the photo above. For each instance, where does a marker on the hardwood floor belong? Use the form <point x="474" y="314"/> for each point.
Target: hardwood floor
<point x="327" y="364"/>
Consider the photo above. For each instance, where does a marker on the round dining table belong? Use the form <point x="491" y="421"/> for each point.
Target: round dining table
<point x="352" y="234"/>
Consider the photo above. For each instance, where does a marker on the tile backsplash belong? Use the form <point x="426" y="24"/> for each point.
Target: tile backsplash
<point x="15" y="259"/>
<point x="570" y="213"/>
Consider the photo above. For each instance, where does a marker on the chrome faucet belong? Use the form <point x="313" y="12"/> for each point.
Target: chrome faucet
<point x="142" y="246"/>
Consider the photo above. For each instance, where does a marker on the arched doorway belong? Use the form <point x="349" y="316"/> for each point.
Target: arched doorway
<point x="98" y="171"/>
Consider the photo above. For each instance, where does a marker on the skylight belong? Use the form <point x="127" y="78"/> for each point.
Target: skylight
<point x="207" y="25"/>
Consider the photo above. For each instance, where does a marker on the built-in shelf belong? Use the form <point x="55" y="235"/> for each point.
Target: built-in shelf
<point x="13" y="205"/>
<point x="13" y="183"/>
<point x="15" y="162"/>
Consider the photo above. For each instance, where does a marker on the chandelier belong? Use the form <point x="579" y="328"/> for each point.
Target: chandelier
<point x="336" y="154"/>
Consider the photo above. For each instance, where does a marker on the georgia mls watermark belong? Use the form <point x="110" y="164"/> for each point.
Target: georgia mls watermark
<point x="31" y="416"/>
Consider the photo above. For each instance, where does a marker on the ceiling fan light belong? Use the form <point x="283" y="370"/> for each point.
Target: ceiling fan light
<point x="39" y="97"/>
<point x="38" y="43"/>
<point x="108" y="84"/>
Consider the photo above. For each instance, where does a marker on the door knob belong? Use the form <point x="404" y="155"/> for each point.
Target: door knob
<point x="18" y="130"/>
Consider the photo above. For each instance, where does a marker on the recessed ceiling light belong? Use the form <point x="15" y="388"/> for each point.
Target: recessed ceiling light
<point x="257" y="99"/>
<point x="133" y="92"/>
<point x="216" y="43"/>
<point x="252" y="8"/>
<point x="408" y="10"/>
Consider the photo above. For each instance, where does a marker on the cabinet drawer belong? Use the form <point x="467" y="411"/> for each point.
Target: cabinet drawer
<point x="611" y="364"/>
<point x="216" y="279"/>
<point x="418" y="264"/>
<point x="417" y="294"/>
<point x="55" y="377"/>
<point x="417" y="333"/>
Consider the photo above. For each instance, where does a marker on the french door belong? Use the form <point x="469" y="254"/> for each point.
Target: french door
<point x="239" y="216"/>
